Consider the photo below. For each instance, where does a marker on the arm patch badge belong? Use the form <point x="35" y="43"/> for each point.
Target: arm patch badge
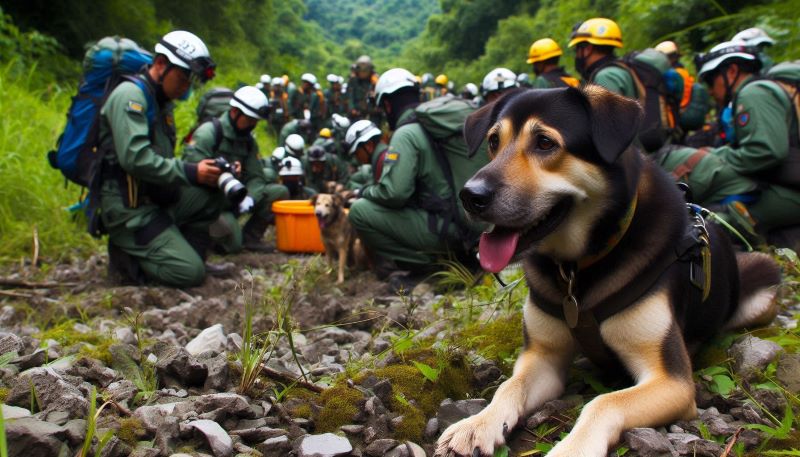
<point x="135" y="107"/>
<point x="742" y="119"/>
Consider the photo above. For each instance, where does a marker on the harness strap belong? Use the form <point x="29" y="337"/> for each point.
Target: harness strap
<point x="684" y="169"/>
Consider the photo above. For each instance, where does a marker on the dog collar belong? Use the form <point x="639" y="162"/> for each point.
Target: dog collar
<point x="614" y="240"/>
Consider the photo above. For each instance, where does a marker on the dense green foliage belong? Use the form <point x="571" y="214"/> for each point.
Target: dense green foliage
<point x="368" y="27"/>
<point x="469" y="38"/>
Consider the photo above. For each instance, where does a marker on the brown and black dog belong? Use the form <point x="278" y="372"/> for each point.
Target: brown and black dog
<point x="601" y="232"/>
<point x="338" y="236"/>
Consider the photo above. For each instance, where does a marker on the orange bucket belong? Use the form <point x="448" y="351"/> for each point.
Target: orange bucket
<point x="296" y="227"/>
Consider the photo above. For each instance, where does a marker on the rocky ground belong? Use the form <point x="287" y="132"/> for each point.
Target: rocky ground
<point x="349" y="371"/>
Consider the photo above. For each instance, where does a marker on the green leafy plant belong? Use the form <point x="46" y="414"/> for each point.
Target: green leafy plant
<point x="430" y="373"/>
<point x="778" y="432"/>
<point x="253" y="352"/>
<point x="91" y="428"/>
<point x="720" y="380"/>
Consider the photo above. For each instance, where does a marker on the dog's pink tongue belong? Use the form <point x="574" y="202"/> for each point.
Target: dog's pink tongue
<point x="497" y="249"/>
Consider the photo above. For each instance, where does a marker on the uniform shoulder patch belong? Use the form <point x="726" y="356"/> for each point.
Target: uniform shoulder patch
<point x="135" y="107"/>
<point x="742" y="119"/>
<point x="391" y="156"/>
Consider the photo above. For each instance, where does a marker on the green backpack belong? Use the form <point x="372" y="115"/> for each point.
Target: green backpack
<point x="443" y="120"/>
<point x="211" y="106"/>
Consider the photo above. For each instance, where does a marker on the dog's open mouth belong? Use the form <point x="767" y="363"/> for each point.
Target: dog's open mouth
<point x="498" y="246"/>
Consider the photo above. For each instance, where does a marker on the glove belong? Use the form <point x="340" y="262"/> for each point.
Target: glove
<point x="246" y="205"/>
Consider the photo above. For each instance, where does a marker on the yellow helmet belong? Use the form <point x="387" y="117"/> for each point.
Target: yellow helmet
<point x="667" y="47"/>
<point x="325" y="133"/>
<point x="599" y="31"/>
<point x="543" y="49"/>
<point x="441" y="80"/>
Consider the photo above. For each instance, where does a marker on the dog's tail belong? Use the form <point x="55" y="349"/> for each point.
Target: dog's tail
<point x="759" y="278"/>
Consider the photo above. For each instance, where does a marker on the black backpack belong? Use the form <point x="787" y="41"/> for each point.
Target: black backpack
<point x="211" y="106"/>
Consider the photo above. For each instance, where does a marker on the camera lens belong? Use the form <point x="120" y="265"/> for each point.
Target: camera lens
<point x="233" y="189"/>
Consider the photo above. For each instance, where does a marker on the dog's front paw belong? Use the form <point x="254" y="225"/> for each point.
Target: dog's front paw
<point x="471" y="437"/>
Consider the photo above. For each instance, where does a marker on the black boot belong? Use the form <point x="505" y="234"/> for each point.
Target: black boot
<point x="123" y="268"/>
<point x="253" y="235"/>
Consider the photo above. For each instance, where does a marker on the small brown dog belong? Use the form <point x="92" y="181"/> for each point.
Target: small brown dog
<point x="338" y="236"/>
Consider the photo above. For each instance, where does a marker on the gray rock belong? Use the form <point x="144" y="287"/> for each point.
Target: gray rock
<point x="751" y="355"/>
<point x="451" y="411"/>
<point x="549" y="410"/>
<point x="30" y="437"/>
<point x="35" y="359"/>
<point x="152" y="417"/>
<point x="431" y="429"/>
<point x="352" y="430"/>
<point x="253" y="435"/>
<point x="275" y="447"/>
<point x="218" y="373"/>
<point x="53" y="392"/>
<point x="383" y="390"/>
<point x="379" y="448"/>
<point x="76" y="431"/>
<point x="122" y="391"/>
<point x="145" y="452"/>
<point x="338" y="335"/>
<point x="177" y="367"/>
<point x="717" y="423"/>
<point x="649" y="443"/>
<point x="788" y="372"/>
<point x="691" y="445"/>
<point x="93" y="371"/>
<point x="14" y="412"/>
<point x="10" y="342"/>
<point x="167" y="435"/>
<point x="486" y="373"/>
<point x="124" y="335"/>
<point x="219" y="441"/>
<point x="415" y="449"/>
<point x="212" y="339"/>
<point x="325" y="445"/>
<point x="315" y="351"/>
<point x="116" y="448"/>
<point x="218" y="407"/>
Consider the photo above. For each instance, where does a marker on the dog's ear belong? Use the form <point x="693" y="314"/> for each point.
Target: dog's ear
<point x="614" y="119"/>
<point x="479" y="122"/>
<point x="313" y="200"/>
<point x="338" y="200"/>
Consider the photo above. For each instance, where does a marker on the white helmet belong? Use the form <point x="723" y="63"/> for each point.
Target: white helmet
<point x="277" y="81"/>
<point x="472" y="89"/>
<point x="291" y="166"/>
<point x="184" y="49"/>
<point x="295" y="144"/>
<point x="360" y="132"/>
<point x="667" y="47"/>
<point x="753" y="36"/>
<point x="334" y="79"/>
<point x="499" y="79"/>
<point x="309" y="78"/>
<point x="341" y="80"/>
<point x="394" y="80"/>
<point x="727" y="50"/>
<point x="265" y="79"/>
<point x="252" y="102"/>
<point x="340" y="122"/>
<point x="279" y="153"/>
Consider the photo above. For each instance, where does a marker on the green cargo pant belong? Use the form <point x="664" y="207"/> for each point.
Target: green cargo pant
<point x="226" y="231"/>
<point x="776" y="207"/>
<point x="399" y="235"/>
<point x="168" y="258"/>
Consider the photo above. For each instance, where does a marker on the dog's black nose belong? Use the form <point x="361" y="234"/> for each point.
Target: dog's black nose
<point x="476" y="196"/>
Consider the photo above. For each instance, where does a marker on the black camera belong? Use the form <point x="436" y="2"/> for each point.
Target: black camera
<point x="233" y="189"/>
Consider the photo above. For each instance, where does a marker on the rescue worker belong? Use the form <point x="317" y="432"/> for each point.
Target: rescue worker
<point x="361" y="89"/>
<point x="496" y="82"/>
<point x="291" y="174"/>
<point x="335" y="100"/>
<point x="543" y="56"/>
<point x="670" y="49"/>
<point x="340" y="125"/>
<point x="364" y="143"/>
<point x="428" y="85"/>
<point x="441" y="82"/>
<point x="279" y="113"/>
<point x="154" y="206"/>
<point x="323" y="168"/>
<point x="594" y="42"/>
<point x="760" y="122"/>
<point x="230" y="137"/>
<point x="759" y="39"/>
<point x="470" y="92"/>
<point x="398" y="218"/>
<point x="295" y="146"/>
<point x="264" y="84"/>
<point x="300" y="127"/>
<point x="523" y="80"/>
<point x="307" y="98"/>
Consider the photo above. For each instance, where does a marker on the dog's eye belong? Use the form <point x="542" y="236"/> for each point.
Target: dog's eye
<point x="494" y="141"/>
<point x="544" y="143"/>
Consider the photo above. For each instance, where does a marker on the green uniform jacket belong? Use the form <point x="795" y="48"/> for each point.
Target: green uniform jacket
<point x="544" y="81"/>
<point x="335" y="170"/>
<point x="313" y="102"/>
<point x="617" y="80"/>
<point x="411" y="174"/>
<point x="335" y="102"/>
<point x="762" y="119"/>
<point x="364" y="175"/>
<point x="358" y="91"/>
<point x="147" y="158"/>
<point x="233" y="148"/>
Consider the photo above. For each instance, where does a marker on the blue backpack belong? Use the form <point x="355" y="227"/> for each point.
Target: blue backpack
<point x="107" y="63"/>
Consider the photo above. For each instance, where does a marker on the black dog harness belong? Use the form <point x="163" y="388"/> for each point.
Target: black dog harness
<point x="693" y="251"/>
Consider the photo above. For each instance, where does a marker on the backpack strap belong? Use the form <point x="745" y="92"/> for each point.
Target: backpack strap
<point x="688" y="165"/>
<point x="148" y="95"/>
<point x="217" y="133"/>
